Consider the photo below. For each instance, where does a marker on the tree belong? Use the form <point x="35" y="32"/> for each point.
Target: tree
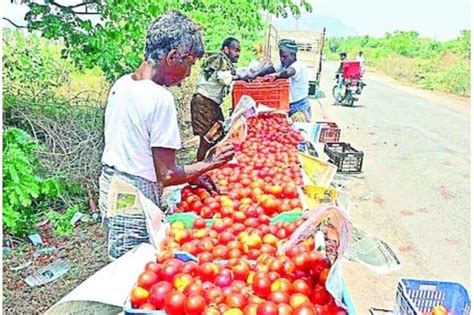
<point x="115" y="42"/>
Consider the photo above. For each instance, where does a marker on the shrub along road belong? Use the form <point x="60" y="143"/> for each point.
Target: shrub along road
<point x="414" y="189"/>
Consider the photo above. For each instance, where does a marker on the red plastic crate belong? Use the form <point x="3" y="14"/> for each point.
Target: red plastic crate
<point x="330" y="132"/>
<point x="351" y="70"/>
<point x="272" y="94"/>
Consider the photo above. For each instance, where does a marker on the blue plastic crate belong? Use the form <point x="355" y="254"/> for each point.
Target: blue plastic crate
<point x="417" y="296"/>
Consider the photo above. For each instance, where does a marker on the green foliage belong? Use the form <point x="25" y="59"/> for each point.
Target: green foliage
<point x="33" y="66"/>
<point x="443" y="66"/>
<point x="116" y="43"/>
<point x="24" y="191"/>
<point x="61" y="222"/>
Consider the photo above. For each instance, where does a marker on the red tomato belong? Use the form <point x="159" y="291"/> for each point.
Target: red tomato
<point x="208" y="271"/>
<point x="305" y="310"/>
<point x="153" y="267"/>
<point x="262" y="286"/>
<point x="147" y="279"/>
<point x="214" y="295"/>
<point x="174" y="303"/>
<point x="267" y="308"/>
<point x="320" y="295"/>
<point x="300" y="286"/>
<point x="158" y="293"/>
<point x="284" y="309"/>
<point x="199" y="223"/>
<point x="250" y="309"/>
<point x="279" y="297"/>
<point x="235" y="300"/>
<point x="139" y="296"/>
<point x="241" y="271"/>
<point x="194" y="288"/>
<point x="194" y="305"/>
<point x="147" y="306"/>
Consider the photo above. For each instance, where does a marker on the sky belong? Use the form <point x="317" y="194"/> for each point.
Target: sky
<point x="439" y="19"/>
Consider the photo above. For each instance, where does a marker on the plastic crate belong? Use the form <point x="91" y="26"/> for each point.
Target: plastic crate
<point x="344" y="156"/>
<point x="187" y="218"/>
<point x="351" y="70"/>
<point x="272" y="94"/>
<point x="287" y="217"/>
<point x="329" y="131"/>
<point x="415" y="297"/>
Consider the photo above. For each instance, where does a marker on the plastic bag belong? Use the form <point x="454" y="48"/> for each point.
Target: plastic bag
<point x="131" y="219"/>
<point x="333" y="222"/>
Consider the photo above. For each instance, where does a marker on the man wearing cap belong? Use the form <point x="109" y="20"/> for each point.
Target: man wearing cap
<point x="295" y="70"/>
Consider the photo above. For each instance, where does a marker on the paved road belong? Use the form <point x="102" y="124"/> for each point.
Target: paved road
<point x="416" y="177"/>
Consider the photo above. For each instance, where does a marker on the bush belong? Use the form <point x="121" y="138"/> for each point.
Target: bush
<point x="25" y="193"/>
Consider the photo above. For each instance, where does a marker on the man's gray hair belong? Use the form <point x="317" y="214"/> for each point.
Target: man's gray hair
<point x="173" y="30"/>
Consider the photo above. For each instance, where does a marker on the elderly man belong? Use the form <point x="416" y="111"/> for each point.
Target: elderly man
<point x="213" y="85"/>
<point x="141" y="127"/>
<point x="295" y="70"/>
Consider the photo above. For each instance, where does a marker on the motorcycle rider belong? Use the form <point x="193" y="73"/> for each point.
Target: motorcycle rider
<point x="339" y="76"/>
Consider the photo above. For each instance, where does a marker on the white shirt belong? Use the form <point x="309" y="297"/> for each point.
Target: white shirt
<point x="139" y="115"/>
<point x="299" y="83"/>
<point x="216" y="87"/>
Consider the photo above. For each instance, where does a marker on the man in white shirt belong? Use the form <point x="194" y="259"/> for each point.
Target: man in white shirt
<point x="141" y="128"/>
<point x="360" y="58"/>
<point x="296" y="71"/>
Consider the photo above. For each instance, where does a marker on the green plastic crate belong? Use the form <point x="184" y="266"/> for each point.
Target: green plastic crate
<point x="186" y="218"/>
<point x="287" y="217"/>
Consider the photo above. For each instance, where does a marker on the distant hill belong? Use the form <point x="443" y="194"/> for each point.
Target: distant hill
<point x="313" y="22"/>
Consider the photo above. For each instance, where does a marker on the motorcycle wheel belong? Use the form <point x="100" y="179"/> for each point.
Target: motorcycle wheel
<point x="336" y="93"/>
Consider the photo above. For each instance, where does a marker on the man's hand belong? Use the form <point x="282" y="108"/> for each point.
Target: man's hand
<point x="207" y="183"/>
<point x="224" y="153"/>
<point x="270" y="77"/>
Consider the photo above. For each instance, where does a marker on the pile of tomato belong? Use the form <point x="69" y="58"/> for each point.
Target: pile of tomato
<point x="240" y="269"/>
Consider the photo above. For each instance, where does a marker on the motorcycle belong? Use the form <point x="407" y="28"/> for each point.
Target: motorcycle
<point x="348" y="84"/>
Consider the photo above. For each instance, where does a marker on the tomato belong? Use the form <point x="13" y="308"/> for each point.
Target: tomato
<point x="158" y="293"/>
<point x="282" y="285"/>
<point x="168" y="272"/>
<point x="233" y="311"/>
<point x="199" y="223"/>
<point x="262" y="286"/>
<point x="284" y="309"/>
<point x="153" y="267"/>
<point x="223" y="280"/>
<point x="189" y="248"/>
<point x="275" y="190"/>
<point x="147" y="306"/>
<point x="300" y="286"/>
<point x="181" y="281"/>
<point x="194" y="288"/>
<point x="298" y="299"/>
<point x="320" y="295"/>
<point x="220" y="252"/>
<point x="251" y="309"/>
<point x="267" y="308"/>
<point x="305" y="310"/>
<point x="222" y="308"/>
<point x="439" y="310"/>
<point x="210" y="311"/>
<point x="241" y="271"/>
<point x="208" y="271"/>
<point x="194" y="305"/>
<point x="214" y="295"/>
<point x="318" y="266"/>
<point x="205" y="257"/>
<point x="279" y="297"/>
<point x="190" y="268"/>
<point x="139" y="296"/>
<point x="235" y="300"/>
<point x="174" y="303"/>
<point x="323" y="276"/>
<point x="147" y="279"/>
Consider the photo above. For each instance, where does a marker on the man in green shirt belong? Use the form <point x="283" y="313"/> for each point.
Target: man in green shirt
<point x="213" y="85"/>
